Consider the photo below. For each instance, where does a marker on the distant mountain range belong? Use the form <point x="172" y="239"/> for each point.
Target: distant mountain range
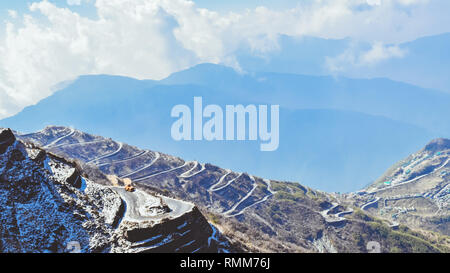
<point x="423" y="62"/>
<point x="336" y="134"/>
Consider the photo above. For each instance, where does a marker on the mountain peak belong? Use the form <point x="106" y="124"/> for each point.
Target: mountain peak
<point x="438" y="144"/>
<point x="203" y="73"/>
<point x="211" y="67"/>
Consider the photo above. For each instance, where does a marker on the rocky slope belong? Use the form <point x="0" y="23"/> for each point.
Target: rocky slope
<point x="415" y="191"/>
<point x="48" y="204"/>
<point x="255" y="214"/>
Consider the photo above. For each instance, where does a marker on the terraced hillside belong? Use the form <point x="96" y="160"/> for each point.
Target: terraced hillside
<point x="47" y="204"/>
<point x="255" y="214"/>
<point x="415" y="191"/>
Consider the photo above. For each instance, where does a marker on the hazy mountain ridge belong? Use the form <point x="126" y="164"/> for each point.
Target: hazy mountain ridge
<point x="363" y="123"/>
<point x="378" y="96"/>
<point x="421" y="62"/>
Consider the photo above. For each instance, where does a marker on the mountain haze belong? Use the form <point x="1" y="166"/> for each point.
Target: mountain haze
<point x="335" y="134"/>
<point x="422" y="62"/>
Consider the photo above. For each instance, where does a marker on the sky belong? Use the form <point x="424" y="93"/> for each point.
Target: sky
<point x="43" y="43"/>
<point x="239" y="5"/>
<point x="87" y="7"/>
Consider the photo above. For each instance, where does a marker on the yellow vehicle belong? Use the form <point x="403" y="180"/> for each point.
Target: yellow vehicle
<point x="129" y="188"/>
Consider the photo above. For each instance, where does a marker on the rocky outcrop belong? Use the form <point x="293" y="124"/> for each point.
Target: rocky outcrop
<point x="187" y="233"/>
<point x="7" y="138"/>
<point x="74" y="179"/>
<point x="41" y="212"/>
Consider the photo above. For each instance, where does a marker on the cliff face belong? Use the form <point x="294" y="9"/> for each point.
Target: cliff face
<point x="187" y="233"/>
<point x="47" y="204"/>
<point x="43" y="210"/>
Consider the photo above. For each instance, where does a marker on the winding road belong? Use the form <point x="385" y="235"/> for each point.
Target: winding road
<point x="412" y="180"/>
<point x="325" y="212"/>
<point x="123" y="160"/>
<point x="226" y="185"/>
<point x="212" y="188"/>
<point x="363" y="207"/>
<point x="230" y="211"/>
<point x="157" y="156"/>
<point x="335" y="218"/>
<point x="79" y="143"/>
<point x="159" y="173"/>
<point x="138" y="199"/>
<point x="183" y="175"/>
<point x="107" y="155"/>
<point x="72" y="131"/>
<point x="267" y="181"/>
<point x="194" y="174"/>
<point x="269" y="186"/>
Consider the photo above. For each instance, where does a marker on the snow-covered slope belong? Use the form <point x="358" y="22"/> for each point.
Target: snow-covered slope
<point x="47" y="204"/>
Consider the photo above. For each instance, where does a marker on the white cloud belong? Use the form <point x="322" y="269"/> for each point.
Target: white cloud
<point x="77" y="2"/>
<point x="12" y="13"/>
<point x="73" y="2"/>
<point x="153" y="38"/>
<point x="355" y="56"/>
<point x="380" y="52"/>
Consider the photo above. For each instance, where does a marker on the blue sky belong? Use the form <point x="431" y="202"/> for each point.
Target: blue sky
<point x="236" y="5"/>
<point x="87" y="6"/>
<point x="210" y="4"/>
<point x="150" y="39"/>
<point x="21" y="6"/>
